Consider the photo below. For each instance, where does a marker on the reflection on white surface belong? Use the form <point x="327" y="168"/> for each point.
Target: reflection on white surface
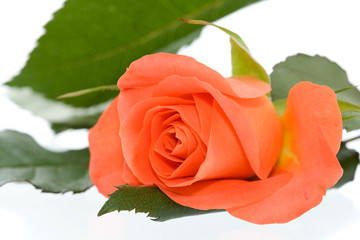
<point x="36" y="215"/>
<point x="273" y="30"/>
<point x="11" y="223"/>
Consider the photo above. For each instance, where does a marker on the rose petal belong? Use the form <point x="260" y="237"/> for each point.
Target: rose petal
<point x="151" y="69"/>
<point x="162" y="166"/>
<point x="166" y="144"/>
<point x="227" y="193"/>
<point x="187" y="141"/>
<point x="160" y="122"/>
<point x="248" y="86"/>
<point x="246" y="130"/>
<point x="268" y="131"/>
<point x="324" y="108"/>
<point x="129" y="177"/>
<point x="129" y="97"/>
<point x="188" y="168"/>
<point x="203" y="104"/>
<point x="225" y="158"/>
<point x="312" y="122"/>
<point x="135" y="132"/>
<point x="106" y="158"/>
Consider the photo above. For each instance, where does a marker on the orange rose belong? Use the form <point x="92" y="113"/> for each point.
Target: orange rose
<point x="214" y="143"/>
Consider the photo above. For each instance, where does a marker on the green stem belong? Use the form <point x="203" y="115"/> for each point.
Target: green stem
<point x="87" y="91"/>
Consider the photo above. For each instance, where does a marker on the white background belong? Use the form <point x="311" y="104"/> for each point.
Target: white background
<point x="273" y="30"/>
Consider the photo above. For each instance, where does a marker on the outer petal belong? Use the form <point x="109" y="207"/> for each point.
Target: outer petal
<point x="269" y="135"/>
<point x="313" y="127"/>
<point x="129" y="97"/>
<point x="225" y="193"/>
<point x="248" y="87"/>
<point x="151" y="69"/>
<point x="106" y="158"/>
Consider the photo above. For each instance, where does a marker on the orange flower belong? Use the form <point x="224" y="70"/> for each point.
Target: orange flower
<point x="214" y="143"/>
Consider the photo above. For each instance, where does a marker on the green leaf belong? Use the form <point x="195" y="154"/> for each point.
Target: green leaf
<point x="351" y="122"/>
<point x="315" y="69"/>
<point x="280" y="106"/>
<point x="350" y="115"/>
<point x="60" y="115"/>
<point x="321" y="71"/>
<point x="22" y="159"/>
<point x="91" y="42"/>
<point x="147" y="200"/>
<point x="348" y="107"/>
<point x="244" y="64"/>
<point x="242" y="61"/>
<point x="349" y="160"/>
<point x="345" y="89"/>
<point x="76" y="122"/>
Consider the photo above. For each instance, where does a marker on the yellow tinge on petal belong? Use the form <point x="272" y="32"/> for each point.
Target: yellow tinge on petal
<point x="287" y="159"/>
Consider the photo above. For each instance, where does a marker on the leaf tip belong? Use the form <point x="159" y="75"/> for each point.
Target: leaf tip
<point x="66" y="95"/>
<point x="100" y="213"/>
<point x="193" y="21"/>
<point x="183" y="20"/>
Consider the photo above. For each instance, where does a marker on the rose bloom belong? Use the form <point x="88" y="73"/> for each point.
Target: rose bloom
<point x="210" y="142"/>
